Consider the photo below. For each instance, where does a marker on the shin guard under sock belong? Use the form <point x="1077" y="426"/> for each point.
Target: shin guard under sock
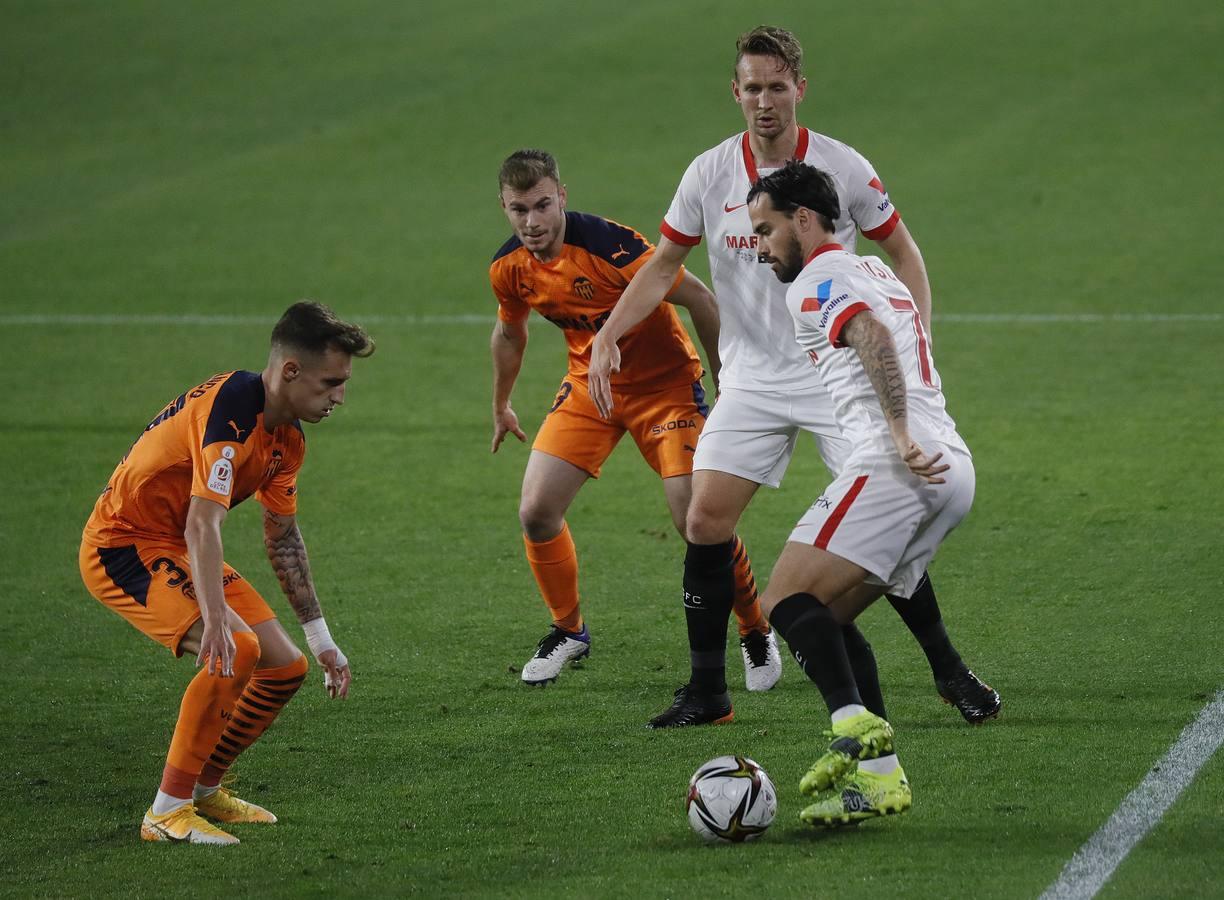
<point x="207" y="704"/>
<point x="863" y="664"/>
<point x="554" y="563"/>
<point x="264" y="697"/>
<point x="815" y="640"/>
<point x="920" y="613"/>
<point x="709" y="592"/>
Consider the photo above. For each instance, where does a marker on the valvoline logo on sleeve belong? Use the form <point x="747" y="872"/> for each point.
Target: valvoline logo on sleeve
<point x="813" y="304"/>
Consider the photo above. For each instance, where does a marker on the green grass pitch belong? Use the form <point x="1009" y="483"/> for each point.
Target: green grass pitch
<point x="163" y="160"/>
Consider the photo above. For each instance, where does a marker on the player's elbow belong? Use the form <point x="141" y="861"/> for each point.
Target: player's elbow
<point x="204" y="518"/>
<point x="201" y="531"/>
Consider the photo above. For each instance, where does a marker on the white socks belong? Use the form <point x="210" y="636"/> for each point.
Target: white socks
<point x="845" y="712"/>
<point x="883" y="765"/>
<point x="164" y="803"/>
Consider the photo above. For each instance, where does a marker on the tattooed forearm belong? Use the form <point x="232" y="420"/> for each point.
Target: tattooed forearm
<point x="876" y="350"/>
<point x="287" y="553"/>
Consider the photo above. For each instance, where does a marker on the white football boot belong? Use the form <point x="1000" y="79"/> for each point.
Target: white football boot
<point x="554" y="650"/>
<point x="762" y="661"/>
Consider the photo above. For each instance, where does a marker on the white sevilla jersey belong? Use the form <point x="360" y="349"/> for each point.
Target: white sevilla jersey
<point x="833" y="287"/>
<point x="757" y="341"/>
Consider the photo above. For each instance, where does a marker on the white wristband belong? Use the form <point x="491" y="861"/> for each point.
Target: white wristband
<point x="318" y="638"/>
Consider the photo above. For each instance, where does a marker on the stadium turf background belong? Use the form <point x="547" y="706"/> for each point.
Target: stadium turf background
<point x="163" y="161"/>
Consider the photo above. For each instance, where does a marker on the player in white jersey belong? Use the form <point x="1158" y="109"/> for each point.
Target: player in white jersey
<point x="768" y="390"/>
<point x="905" y="483"/>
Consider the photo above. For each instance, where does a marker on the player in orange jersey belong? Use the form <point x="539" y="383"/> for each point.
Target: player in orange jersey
<point x="571" y="268"/>
<point x="152" y="552"/>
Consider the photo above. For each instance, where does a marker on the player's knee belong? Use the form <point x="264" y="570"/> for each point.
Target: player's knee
<point x="294" y="668"/>
<point x="539" y="522"/>
<point x="246" y="653"/>
<point x="705" y="525"/>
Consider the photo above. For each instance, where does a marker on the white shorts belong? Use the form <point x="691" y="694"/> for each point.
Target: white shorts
<point x="879" y="515"/>
<point x="752" y="434"/>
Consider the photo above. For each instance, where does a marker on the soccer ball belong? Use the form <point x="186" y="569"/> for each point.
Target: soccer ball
<point x="730" y="800"/>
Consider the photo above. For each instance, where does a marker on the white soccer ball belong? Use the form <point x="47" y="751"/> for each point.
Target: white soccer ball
<point x="730" y="800"/>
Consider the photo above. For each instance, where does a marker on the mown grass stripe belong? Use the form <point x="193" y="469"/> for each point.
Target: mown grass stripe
<point x="187" y="319"/>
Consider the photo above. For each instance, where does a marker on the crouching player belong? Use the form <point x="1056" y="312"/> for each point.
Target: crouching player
<point x="906" y="483"/>
<point x="151" y="552"/>
<point x="572" y="268"/>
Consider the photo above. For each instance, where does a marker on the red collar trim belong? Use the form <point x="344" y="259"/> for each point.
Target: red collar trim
<point x="823" y="248"/>
<point x="801" y="148"/>
<point x="802" y="145"/>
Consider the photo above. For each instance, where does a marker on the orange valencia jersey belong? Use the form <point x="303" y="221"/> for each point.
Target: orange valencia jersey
<point x="209" y="442"/>
<point x="576" y="292"/>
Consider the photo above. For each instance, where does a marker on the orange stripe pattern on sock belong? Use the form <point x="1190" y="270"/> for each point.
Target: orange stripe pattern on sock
<point x="264" y="697"/>
<point x="747" y="604"/>
<point x="555" y="565"/>
<point x="207" y="702"/>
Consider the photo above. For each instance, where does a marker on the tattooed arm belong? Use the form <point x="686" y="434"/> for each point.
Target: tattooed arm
<point x="874" y="345"/>
<point x="287" y="553"/>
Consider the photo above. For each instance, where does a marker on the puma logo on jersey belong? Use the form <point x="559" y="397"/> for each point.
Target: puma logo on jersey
<point x="621" y="252"/>
<point x="237" y="431"/>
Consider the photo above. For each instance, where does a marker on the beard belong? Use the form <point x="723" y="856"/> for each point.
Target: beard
<point x="789" y="262"/>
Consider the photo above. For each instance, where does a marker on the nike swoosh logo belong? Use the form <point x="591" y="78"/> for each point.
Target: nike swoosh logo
<point x="733" y="208"/>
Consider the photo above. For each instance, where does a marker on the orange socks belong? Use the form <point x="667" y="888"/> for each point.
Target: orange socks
<point x="207" y="704"/>
<point x="555" y="565"/>
<point x="263" y="698"/>
<point x="747" y="606"/>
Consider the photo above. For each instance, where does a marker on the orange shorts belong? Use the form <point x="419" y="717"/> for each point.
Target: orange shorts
<point x="664" y="425"/>
<point x="149" y="584"/>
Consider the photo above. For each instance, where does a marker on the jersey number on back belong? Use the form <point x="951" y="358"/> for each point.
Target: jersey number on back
<point x="925" y="365"/>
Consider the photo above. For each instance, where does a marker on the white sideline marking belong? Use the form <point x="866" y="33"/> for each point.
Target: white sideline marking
<point x="477" y="319"/>
<point x="215" y="319"/>
<point x="1041" y="318"/>
<point x="1143" y="808"/>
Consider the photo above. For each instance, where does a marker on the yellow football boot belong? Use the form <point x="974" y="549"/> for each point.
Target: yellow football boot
<point x="183" y="824"/>
<point x="863" y="736"/>
<point x="222" y="806"/>
<point x="859" y="796"/>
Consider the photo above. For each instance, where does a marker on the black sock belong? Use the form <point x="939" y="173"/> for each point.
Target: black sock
<point x="920" y="613"/>
<point x="815" y="640"/>
<point x="709" y="590"/>
<point x="863" y="664"/>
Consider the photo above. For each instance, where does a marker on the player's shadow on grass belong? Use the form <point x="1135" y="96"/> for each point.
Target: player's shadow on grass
<point x="781" y="833"/>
